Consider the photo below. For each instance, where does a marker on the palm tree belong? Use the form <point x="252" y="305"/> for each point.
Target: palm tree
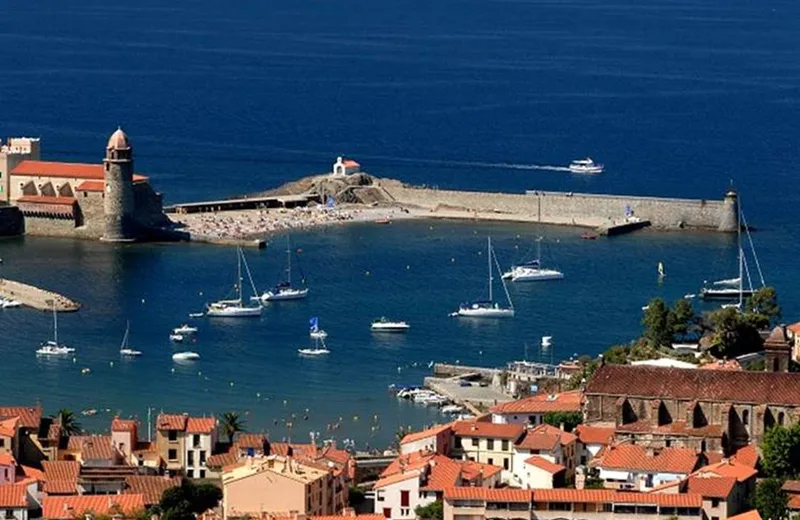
<point x="231" y="423"/>
<point x="69" y="424"/>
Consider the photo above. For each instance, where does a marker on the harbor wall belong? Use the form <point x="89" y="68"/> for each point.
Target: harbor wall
<point x="578" y="209"/>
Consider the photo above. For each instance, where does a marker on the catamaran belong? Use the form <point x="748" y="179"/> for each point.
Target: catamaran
<point x="124" y="348"/>
<point x="285" y="290"/>
<point x="313" y="329"/>
<point x="236" y="308"/>
<point x="734" y="288"/>
<point x="488" y="308"/>
<point x="533" y="271"/>
<point x="53" y="347"/>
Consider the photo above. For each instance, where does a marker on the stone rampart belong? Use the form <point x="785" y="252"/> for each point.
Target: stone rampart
<point x="579" y="209"/>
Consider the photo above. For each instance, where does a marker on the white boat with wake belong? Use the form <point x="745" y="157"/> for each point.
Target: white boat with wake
<point x="53" y="347"/>
<point x="386" y="325"/>
<point x="285" y="290"/>
<point x="488" y="308"/>
<point x="185" y="356"/>
<point x="124" y="348"/>
<point x="585" y="166"/>
<point x="236" y="308"/>
<point x="184" y="329"/>
<point x="314" y="331"/>
<point x="533" y="271"/>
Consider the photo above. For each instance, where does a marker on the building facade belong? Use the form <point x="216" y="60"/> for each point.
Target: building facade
<point x="486" y="443"/>
<point x="185" y="443"/>
<point x="12" y="152"/>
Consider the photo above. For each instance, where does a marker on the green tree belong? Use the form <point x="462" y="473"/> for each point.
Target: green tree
<point x="188" y="499"/>
<point x="732" y="332"/>
<point x="69" y="424"/>
<point x="642" y="351"/>
<point x="764" y="302"/>
<point x="433" y="511"/>
<point x="770" y="500"/>
<point x="656" y="321"/>
<point x="231" y="424"/>
<point x="781" y="452"/>
<point x="617" y="355"/>
<point x="682" y="318"/>
<point x="355" y="496"/>
<point x="569" y="419"/>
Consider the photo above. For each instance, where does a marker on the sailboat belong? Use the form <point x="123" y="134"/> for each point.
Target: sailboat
<point x="488" y="308"/>
<point x="733" y="288"/>
<point x="236" y="308"/>
<point x="319" y="349"/>
<point x="313" y="329"/>
<point x="124" y="348"/>
<point x="52" y="347"/>
<point x="532" y="271"/>
<point x="284" y="290"/>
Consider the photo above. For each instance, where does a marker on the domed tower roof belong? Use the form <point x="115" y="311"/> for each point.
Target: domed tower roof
<point x="118" y="141"/>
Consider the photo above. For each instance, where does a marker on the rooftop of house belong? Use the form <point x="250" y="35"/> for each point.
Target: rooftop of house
<point x="488" y="430"/>
<point x="13" y="496"/>
<point x="29" y="416"/>
<point x="123" y="425"/>
<point x="286" y="466"/>
<point x="710" y="486"/>
<point x="442" y="472"/>
<point x="185" y="423"/>
<point x="544" y="437"/>
<point x="573" y="496"/>
<point x="750" y="515"/>
<point x="748" y="455"/>
<point x="588" y="434"/>
<point x="201" y="425"/>
<point x="92" y="447"/>
<point x="424" y="434"/>
<point x="637" y="458"/>
<point x="792" y="486"/>
<point x="61" y="477"/>
<point x="7" y="459"/>
<point x="151" y="487"/>
<point x="69" y="507"/>
<point x="775" y="388"/>
<point x="542" y="403"/>
<point x="729" y="468"/>
<point x="544" y="464"/>
<point x="8" y="427"/>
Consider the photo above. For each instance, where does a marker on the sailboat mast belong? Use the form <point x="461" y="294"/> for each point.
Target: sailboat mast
<point x="288" y="260"/>
<point x="55" y="323"/>
<point x="741" y="264"/>
<point x="539" y="252"/>
<point x="239" y="267"/>
<point x="489" y="260"/>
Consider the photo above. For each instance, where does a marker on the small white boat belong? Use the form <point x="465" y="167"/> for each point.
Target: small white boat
<point x="434" y="399"/>
<point x="319" y="349"/>
<point x="196" y="314"/>
<point x="184" y="329"/>
<point x="547" y="341"/>
<point x="285" y="290"/>
<point x="52" y="347"/>
<point x="10" y="304"/>
<point x="124" y="348"/>
<point x="235" y="308"/>
<point x="452" y="409"/>
<point x="533" y="271"/>
<point x="176" y="338"/>
<point x="488" y="308"/>
<point x="386" y="325"/>
<point x="314" y="331"/>
<point x="185" y="356"/>
<point x="585" y="166"/>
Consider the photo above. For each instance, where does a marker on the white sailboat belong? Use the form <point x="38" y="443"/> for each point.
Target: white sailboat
<point x="285" y="290"/>
<point x="236" y="308"/>
<point x="313" y="329"/>
<point x="53" y="347"/>
<point x="533" y="271"/>
<point x="124" y="348"/>
<point x="319" y="349"/>
<point x="488" y="308"/>
<point x="734" y="288"/>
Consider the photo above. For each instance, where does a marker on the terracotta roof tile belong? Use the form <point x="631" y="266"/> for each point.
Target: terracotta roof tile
<point x="62" y="169"/>
<point x="635" y="457"/>
<point x="250" y="440"/>
<point x="729" y="468"/>
<point x="95" y="447"/>
<point x="488" y="430"/>
<point x="407" y="462"/>
<point x="204" y="425"/>
<point x="610" y="496"/>
<point x="29" y="416"/>
<point x="123" y="425"/>
<point x="350" y="163"/>
<point x="424" y="434"/>
<point x="472" y="470"/>
<point x="794" y="502"/>
<point x="7" y="459"/>
<point x="681" y="428"/>
<point x="750" y="515"/>
<point x="730" y="364"/>
<point x="68" y="507"/>
<point x="542" y="403"/>
<point x="151" y="487"/>
<point x="544" y="437"/>
<point x="30" y="473"/>
<point x="61" y="476"/>
<point x="8" y="427"/>
<point x="171" y="422"/>
<point x="344" y="517"/>
<point x="396" y="477"/>
<point x="444" y="473"/>
<point x="544" y="464"/>
<point x="711" y="486"/>
<point x="97" y="186"/>
<point x="778" y="388"/>
<point x="588" y="434"/>
<point x="13" y="496"/>
<point x="747" y="455"/>
<point x="488" y="494"/>
<point x="792" y="486"/>
<point x="144" y="447"/>
<point x="44" y="199"/>
<point x="221" y="460"/>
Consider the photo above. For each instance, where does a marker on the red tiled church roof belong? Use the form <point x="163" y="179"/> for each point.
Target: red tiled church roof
<point x="62" y="169"/>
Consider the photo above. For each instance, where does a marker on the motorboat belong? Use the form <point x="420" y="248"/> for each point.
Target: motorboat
<point x="285" y="290"/>
<point x="585" y="166"/>
<point x="185" y="356"/>
<point x="196" y="314"/>
<point x="383" y="220"/>
<point x="124" y="348"/>
<point x="432" y="399"/>
<point x="53" y="347"/>
<point x="314" y="331"/>
<point x="452" y="409"/>
<point x="533" y="271"/>
<point x="236" y="308"/>
<point x="176" y="338"/>
<point x="409" y="393"/>
<point x="387" y="325"/>
<point x="184" y="329"/>
<point x="488" y="308"/>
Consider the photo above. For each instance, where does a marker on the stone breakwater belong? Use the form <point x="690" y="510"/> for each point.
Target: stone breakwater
<point x="35" y="297"/>
<point x="577" y="209"/>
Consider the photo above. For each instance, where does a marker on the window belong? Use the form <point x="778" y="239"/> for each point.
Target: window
<point x="172" y="435"/>
<point x="2" y="443"/>
<point x="404" y="498"/>
<point x="9" y="513"/>
<point x="780" y="418"/>
<point x="172" y="454"/>
<point x="490" y="461"/>
<point x="387" y="512"/>
<point x="746" y="417"/>
<point x="714" y="518"/>
<point x="202" y="456"/>
<point x="505" y="464"/>
<point x="379" y="495"/>
<point x="458" y="442"/>
<point x="196" y="441"/>
<point x="190" y="473"/>
<point x="504" y="445"/>
<point x="190" y="459"/>
<point x="202" y="473"/>
<point x="474" y="443"/>
<point x="404" y="511"/>
<point x="489" y="444"/>
<point x="714" y="502"/>
<point x="668" y="443"/>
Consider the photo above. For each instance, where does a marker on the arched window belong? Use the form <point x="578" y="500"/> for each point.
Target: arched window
<point x="703" y="445"/>
<point x="780" y="418"/>
<point x="776" y="365"/>
<point x="746" y="417"/>
<point x="663" y="415"/>
<point x="698" y="417"/>
<point x="769" y="420"/>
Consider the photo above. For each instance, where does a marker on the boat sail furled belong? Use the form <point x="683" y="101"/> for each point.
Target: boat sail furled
<point x="53" y="347"/>
<point x="533" y="271"/>
<point x="124" y="348"/>
<point x="285" y="290"/>
<point x="488" y="308"/>
<point x="236" y="308"/>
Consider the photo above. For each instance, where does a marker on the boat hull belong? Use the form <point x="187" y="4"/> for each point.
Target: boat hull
<point x="485" y="313"/>
<point x="389" y="328"/>
<point x="724" y="294"/>
<point x="533" y="275"/>
<point x="298" y="294"/>
<point x="242" y="312"/>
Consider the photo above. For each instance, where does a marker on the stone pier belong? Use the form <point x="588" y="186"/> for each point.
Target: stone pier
<point x="35" y="297"/>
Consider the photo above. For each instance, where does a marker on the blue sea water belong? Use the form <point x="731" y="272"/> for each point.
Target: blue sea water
<point x="677" y="97"/>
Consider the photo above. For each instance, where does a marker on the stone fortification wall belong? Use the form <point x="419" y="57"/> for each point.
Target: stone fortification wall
<point x="149" y="210"/>
<point x="580" y="209"/>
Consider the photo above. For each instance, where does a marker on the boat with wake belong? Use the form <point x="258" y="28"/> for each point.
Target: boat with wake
<point x="185" y="356"/>
<point x="585" y="166"/>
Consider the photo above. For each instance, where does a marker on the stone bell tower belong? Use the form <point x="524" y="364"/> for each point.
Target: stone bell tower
<point x="118" y="202"/>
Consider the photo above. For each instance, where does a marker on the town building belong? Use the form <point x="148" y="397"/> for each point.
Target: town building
<point x="14" y="502"/>
<point x="465" y="503"/>
<point x="184" y="443"/>
<point x="705" y="410"/>
<point x="344" y="166"/>
<point x="486" y="442"/>
<point x="632" y="467"/>
<point x="27" y="450"/>
<point x="792" y="489"/>
<point x="151" y="487"/>
<point x="283" y="485"/>
<point x="544" y="457"/>
<point x="12" y="152"/>
<point x="778" y="350"/>
<point x="78" y="506"/>
<point x="437" y="439"/>
<point x="794" y="331"/>
<point x="592" y="439"/>
<point x="531" y="410"/>
<point x="9" y="437"/>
